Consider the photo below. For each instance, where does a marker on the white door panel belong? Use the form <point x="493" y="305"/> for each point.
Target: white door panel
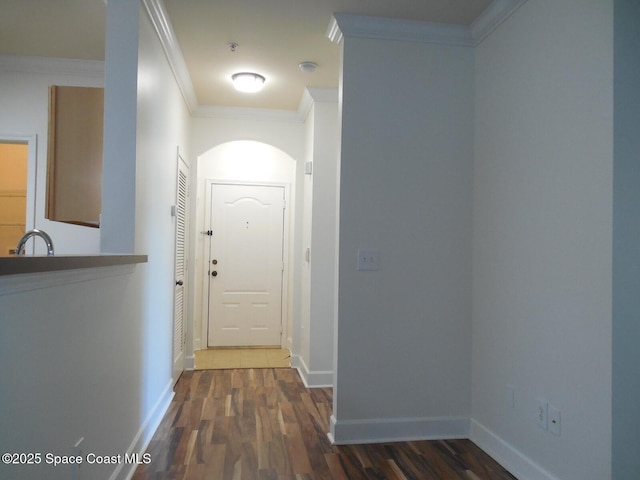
<point x="245" y="295"/>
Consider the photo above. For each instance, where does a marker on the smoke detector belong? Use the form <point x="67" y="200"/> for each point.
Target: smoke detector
<point x="308" y="67"/>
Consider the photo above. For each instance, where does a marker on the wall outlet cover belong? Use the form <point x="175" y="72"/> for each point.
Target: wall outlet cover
<point x="368" y="259"/>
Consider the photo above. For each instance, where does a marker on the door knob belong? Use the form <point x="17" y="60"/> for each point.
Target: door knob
<point x="214" y="274"/>
<point x="179" y="282"/>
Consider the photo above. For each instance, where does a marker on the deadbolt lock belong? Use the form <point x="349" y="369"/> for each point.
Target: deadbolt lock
<point x="215" y="262"/>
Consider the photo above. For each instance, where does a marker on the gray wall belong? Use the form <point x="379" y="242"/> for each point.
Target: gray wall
<point x="626" y="241"/>
<point x="405" y="189"/>
<point x="542" y="235"/>
<point x="320" y="234"/>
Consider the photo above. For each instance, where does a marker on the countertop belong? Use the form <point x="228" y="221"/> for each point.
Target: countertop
<point x="15" y="265"/>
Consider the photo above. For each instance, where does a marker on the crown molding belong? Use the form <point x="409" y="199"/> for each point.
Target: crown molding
<point x="162" y="25"/>
<point x="341" y="25"/>
<point x="358" y="26"/>
<point x="48" y="65"/>
<point x="160" y="19"/>
<point x="496" y="13"/>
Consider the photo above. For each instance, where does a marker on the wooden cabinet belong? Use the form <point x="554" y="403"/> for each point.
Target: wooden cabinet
<point x="74" y="171"/>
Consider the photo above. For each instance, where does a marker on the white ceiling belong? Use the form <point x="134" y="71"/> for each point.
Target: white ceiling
<point x="273" y="37"/>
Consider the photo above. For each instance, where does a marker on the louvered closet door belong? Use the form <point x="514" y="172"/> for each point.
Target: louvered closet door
<point x="181" y="210"/>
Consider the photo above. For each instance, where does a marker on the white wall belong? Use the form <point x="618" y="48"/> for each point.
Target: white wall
<point x="404" y="332"/>
<point x="91" y="357"/>
<point x="302" y="350"/>
<point x="314" y="358"/>
<point x="281" y="130"/>
<point x="542" y="238"/>
<point x="117" y="218"/>
<point x="626" y="231"/>
<point x="162" y="130"/>
<point x="24" y="90"/>
<point x="72" y="368"/>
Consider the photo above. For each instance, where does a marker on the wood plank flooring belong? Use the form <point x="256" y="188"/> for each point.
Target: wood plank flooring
<point x="263" y="424"/>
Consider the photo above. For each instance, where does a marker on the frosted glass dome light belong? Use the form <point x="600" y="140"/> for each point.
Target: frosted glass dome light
<point x="248" y="82"/>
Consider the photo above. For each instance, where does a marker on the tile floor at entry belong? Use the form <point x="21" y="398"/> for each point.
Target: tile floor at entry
<point x="215" y="359"/>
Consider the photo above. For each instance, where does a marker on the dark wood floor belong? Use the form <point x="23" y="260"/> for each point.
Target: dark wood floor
<point x="264" y="424"/>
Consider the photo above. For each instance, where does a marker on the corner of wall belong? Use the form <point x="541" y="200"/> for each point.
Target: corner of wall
<point x="310" y="378"/>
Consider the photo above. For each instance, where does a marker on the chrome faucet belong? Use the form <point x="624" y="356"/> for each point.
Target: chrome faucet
<point x="35" y="233"/>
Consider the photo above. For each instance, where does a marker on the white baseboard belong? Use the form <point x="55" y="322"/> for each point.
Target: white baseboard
<point x="397" y="429"/>
<point x="143" y="437"/>
<point x="312" y="379"/>
<point x="510" y="458"/>
<point x="189" y="362"/>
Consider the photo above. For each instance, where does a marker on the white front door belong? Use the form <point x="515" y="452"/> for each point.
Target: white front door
<point x="246" y="265"/>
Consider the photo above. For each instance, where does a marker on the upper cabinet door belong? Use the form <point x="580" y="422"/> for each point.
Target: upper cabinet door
<point x="74" y="166"/>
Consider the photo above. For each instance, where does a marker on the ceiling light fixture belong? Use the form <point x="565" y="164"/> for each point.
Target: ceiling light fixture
<point x="308" y="67"/>
<point x="248" y="82"/>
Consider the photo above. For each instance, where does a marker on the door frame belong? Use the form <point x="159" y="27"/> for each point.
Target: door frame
<point x="284" y="315"/>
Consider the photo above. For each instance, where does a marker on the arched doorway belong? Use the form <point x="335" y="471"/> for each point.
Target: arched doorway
<point x="241" y="165"/>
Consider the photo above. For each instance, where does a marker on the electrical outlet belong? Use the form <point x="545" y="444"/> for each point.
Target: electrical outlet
<point x="368" y="259"/>
<point x="542" y="413"/>
<point x="554" y="420"/>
